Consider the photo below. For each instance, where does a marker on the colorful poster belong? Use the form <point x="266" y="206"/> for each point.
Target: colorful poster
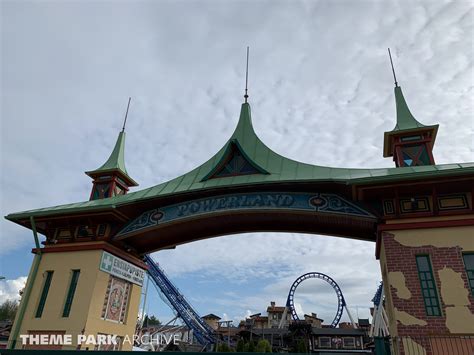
<point x="116" y="300"/>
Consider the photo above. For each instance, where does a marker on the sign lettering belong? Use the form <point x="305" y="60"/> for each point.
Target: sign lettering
<point x="122" y="269"/>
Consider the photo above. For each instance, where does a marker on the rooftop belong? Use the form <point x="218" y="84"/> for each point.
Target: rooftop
<point x="263" y="166"/>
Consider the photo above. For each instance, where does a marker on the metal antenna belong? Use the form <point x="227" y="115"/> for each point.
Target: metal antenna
<point x="126" y="114"/>
<point x="393" y="70"/>
<point x="247" y="77"/>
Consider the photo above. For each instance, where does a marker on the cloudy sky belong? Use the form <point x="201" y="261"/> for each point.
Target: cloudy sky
<point x="321" y="91"/>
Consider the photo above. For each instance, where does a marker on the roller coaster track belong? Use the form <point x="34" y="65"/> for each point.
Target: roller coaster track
<point x="203" y="333"/>
<point x="341" y="302"/>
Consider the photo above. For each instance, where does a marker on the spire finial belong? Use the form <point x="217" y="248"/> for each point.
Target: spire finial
<point x="246" y="96"/>
<point x="126" y="114"/>
<point x="393" y="70"/>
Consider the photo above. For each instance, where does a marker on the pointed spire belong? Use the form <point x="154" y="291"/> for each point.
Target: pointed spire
<point x="117" y="158"/>
<point x="126" y="115"/>
<point x="235" y="161"/>
<point x="393" y="70"/>
<point x="116" y="161"/>
<point x="405" y="119"/>
<point x="408" y="133"/>
<point x="244" y="126"/>
<point x="246" y="96"/>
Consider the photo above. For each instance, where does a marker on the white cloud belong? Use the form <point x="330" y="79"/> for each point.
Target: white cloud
<point x="10" y="289"/>
<point x="273" y="262"/>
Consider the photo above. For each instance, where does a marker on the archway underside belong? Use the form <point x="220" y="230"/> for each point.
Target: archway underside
<point x="222" y="214"/>
<point x="174" y="234"/>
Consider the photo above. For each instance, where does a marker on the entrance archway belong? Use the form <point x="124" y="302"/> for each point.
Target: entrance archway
<point x="417" y="209"/>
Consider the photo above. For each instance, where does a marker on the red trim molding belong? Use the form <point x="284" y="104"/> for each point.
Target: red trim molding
<point x="93" y="246"/>
<point x="424" y="225"/>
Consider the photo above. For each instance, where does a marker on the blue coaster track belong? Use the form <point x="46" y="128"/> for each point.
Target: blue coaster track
<point x="341" y="303"/>
<point x="203" y="333"/>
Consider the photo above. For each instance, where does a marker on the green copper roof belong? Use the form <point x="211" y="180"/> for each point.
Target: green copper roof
<point x="406" y="123"/>
<point x="116" y="160"/>
<point x="405" y="120"/>
<point x="278" y="170"/>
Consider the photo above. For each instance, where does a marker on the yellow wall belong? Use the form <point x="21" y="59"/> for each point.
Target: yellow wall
<point x="453" y="294"/>
<point x="437" y="237"/>
<point x="88" y="300"/>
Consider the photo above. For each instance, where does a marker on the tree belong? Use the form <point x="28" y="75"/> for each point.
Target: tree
<point x="301" y="346"/>
<point x="224" y="348"/>
<point x="251" y="348"/>
<point x="151" y="321"/>
<point x="8" y="310"/>
<point x="263" y="346"/>
<point x="240" y="346"/>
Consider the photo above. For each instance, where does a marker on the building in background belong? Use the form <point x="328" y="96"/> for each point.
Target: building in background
<point x="275" y="314"/>
<point x="212" y="320"/>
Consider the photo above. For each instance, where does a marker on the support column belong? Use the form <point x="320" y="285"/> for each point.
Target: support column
<point x="89" y="289"/>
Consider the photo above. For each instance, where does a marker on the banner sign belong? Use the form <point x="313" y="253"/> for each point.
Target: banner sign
<point x="291" y="201"/>
<point x="122" y="269"/>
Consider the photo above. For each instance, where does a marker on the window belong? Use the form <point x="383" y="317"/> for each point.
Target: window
<point x="234" y="163"/>
<point x="101" y="191"/>
<point x="70" y="293"/>
<point x="324" y="342"/>
<point x="348" y="343"/>
<point x="469" y="264"/>
<point x="101" y="229"/>
<point x="415" y="155"/>
<point x="44" y="293"/>
<point x="428" y="286"/>
<point x="410" y="138"/>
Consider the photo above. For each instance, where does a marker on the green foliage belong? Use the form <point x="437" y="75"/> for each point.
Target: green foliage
<point x="241" y="346"/>
<point x="301" y="346"/>
<point x="263" y="346"/>
<point x="224" y="348"/>
<point x="251" y="348"/>
<point x="8" y="310"/>
<point x="151" y="321"/>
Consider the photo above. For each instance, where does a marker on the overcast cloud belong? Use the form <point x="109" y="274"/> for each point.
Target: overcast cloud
<point x="321" y="92"/>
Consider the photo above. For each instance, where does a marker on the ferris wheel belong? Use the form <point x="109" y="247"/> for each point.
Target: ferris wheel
<point x="341" y="302"/>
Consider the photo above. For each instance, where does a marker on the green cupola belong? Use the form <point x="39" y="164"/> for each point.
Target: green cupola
<point x="410" y="143"/>
<point x="112" y="178"/>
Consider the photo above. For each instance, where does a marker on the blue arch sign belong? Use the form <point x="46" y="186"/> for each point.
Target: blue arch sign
<point x="271" y="201"/>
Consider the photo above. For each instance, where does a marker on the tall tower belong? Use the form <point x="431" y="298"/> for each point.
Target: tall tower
<point x="82" y="281"/>
<point x="112" y="179"/>
<point x="410" y="142"/>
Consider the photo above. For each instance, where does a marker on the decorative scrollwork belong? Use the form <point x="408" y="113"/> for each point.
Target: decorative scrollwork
<point x="145" y="220"/>
<point x="336" y="204"/>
